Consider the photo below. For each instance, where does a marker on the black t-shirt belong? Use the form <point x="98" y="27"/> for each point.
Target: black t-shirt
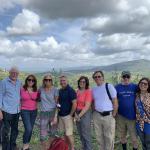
<point x="66" y="96"/>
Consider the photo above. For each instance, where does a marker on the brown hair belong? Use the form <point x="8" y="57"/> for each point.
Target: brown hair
<point x="138" y="89"/>
<point x="86" y="82"/>
<point x="25" y="86"/>
<point x="98" y="71"/>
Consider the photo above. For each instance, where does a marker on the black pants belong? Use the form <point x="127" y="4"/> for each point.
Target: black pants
<point x="10" y="131"/>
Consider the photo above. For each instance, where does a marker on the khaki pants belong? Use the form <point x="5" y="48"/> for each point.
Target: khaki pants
<point x="105" y="131"/>
<point x="66" y="125"/>
<point x="124" y="125"/>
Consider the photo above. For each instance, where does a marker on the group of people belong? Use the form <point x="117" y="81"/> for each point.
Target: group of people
<point x="126" y="105"/>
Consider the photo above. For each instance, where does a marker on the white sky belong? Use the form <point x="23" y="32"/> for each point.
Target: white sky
<point x="38" y="35"/>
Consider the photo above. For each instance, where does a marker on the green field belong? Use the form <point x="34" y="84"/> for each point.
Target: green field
<point x="112" y="77"/>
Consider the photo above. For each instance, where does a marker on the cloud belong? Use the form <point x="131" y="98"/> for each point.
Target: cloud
<point x="117" y="43"/>
<point x="26" y="22"/>
<point x="76" y="32"/>
<point x="135" y="20"/>
<point x="55" y="9"/>
<point x="47" y="49"/>
<point x="6" y="4"/>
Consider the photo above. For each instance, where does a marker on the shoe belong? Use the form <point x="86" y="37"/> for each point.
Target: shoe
<point x="16" y="148"/>
<point x="25" y="149"/>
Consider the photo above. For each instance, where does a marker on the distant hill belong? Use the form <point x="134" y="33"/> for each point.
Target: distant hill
<point x="141" y="66"/>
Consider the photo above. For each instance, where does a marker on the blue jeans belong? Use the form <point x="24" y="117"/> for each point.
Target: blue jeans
<point x="145" y="139"/>
<point x="1" y="122"/>
<point x="84" y="129"/>
<point x="28" y="118"/>
<point x="10" y="131"/>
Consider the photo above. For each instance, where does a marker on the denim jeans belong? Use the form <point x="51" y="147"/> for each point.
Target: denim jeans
<point x="145" y="139"/>
<point x="10" y="131"/>
<point x="1" y="122"/>
<point x="84" y="129"/>
<point x="28" y="118"/>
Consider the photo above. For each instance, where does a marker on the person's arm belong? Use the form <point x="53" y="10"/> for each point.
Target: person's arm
<point x="146" y="106"/>
<point x="115" y="107"/>
<point x="56" y="97"/>
<point x="88" y="101"/>
<point x="1" y="99"/>
<point x="85" y="109"/>
<point x="57" y="109"/>
<point x="113" y="94"/>
<point x="74" y="106"/>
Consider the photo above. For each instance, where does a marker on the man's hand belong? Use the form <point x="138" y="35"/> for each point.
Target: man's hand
<point x="1" y="115"/>
<point x="115" y="107"/>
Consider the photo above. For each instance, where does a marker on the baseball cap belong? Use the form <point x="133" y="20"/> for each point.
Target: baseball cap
<point x="126" y="73"/>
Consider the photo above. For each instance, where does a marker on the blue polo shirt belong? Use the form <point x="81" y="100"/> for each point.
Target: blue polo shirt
<point x="66" y="96"/>
<point x="126" y="95"/>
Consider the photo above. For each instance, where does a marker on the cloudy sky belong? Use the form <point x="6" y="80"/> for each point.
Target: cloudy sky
<point x="38" y="35"/>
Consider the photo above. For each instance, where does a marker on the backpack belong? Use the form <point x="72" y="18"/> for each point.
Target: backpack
<point x="107" y="90"/>
<point x="58" y="144"/>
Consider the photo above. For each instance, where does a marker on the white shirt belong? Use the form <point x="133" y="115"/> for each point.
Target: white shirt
<point x="101" y="98"/>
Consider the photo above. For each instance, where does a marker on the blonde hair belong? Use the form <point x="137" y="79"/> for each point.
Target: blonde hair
<point x="46" y="75"/>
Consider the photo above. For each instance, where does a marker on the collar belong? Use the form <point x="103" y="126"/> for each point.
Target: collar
<point x="9" y="80"/>
<point x="66" y="88"/>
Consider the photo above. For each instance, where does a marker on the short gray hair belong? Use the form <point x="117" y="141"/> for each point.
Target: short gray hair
<point x="14" y="68"/>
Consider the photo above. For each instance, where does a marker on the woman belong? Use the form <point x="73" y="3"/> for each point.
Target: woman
<point x="142" y="104"/>
<point x="83" y="113"/>
<point x="29" y="96"/>
<point x="48" y="114"/>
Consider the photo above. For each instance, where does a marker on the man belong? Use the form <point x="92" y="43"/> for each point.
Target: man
<point x="67" y="101"/>
<point x="10" y="108"/>
<point x="105" y="111"/>
<point x="126" y="93"/>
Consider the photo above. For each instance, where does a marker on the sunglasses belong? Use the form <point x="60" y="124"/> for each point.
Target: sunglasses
<point x="97" y="77"/>
<point x="31" y="80"/>
<point x="47" y="80"/>
<point x="126" y="76"/>
<point x="144" y="83"/>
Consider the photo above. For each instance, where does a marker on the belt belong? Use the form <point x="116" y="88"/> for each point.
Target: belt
<point x="105" y="113"/>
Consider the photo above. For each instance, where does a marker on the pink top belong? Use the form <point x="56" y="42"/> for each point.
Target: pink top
<point x="28" y="100"/>
<point x="82" y="97"/>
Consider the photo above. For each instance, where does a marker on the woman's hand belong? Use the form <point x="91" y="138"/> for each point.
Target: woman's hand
<point x="54" y="121"/>
<point x="77" y="118"/>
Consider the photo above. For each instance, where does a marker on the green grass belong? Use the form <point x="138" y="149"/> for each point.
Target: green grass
<point x="35" y="143"/>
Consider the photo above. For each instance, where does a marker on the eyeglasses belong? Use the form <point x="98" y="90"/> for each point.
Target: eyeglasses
<point x="31" y="80"/>
<point x="82" y="81"/>
<point x="47" y="80"/>
<point x="97" y="77"/>
<point x="62" y="80"/>
<point x="126" y="76"/>
<point x="144" y="83"/>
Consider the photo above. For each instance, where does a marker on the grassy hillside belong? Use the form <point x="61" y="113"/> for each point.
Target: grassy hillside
<point x="137" y="66"/>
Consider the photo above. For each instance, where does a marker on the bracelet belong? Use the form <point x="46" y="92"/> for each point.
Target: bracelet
<point x="58" y="105"/>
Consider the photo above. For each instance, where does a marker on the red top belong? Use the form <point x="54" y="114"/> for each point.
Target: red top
<point x="82" y="97"/>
